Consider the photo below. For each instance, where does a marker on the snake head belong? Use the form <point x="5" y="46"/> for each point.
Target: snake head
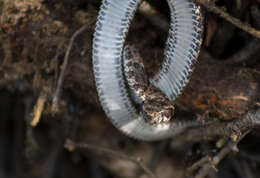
<point x="155" y="113"/>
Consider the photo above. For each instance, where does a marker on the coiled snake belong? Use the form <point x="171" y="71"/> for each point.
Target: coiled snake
<point x="181" y="51"/>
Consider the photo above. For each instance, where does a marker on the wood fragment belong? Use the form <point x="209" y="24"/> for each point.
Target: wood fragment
<point x="38" y="109"/>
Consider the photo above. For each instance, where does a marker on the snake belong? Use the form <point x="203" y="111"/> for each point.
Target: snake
<point x="152" y="104"/>
<point x="124" y="91"/>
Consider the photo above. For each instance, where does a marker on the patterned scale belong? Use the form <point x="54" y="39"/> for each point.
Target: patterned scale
<point x="154" y="106"/>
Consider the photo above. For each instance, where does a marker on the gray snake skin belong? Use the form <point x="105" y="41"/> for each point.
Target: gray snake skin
<point x="181" y="51"/>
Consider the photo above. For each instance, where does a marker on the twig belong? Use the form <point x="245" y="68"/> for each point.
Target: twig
<point x="70" y="145"/>
<point x="209" y="5"/>
<point x="64" y="66"/>
<point x="197" y="165"/>
<point x="220" y="129"/>
<point x="38" y="108"/>
<point x="253" y="47"/>
<point x="211" y="165"/>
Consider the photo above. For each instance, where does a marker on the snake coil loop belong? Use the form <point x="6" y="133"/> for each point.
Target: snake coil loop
<point x="181" y="51"/>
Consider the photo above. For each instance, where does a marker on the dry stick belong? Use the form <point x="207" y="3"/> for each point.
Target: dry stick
<point x="219" y="129"/>
<point x="198" y="164"/>
<point x="211" y="7"/>
<point x="55" y="99"/>
<point x="38" y="108"/>
<point x="243" y="125"/>
<point x="70" y="145"/>
<point x="253" y="47"/>
<point x="231" y="146"/>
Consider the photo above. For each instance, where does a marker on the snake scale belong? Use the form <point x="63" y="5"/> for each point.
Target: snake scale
<point x="153" y="104"/>
<point x="111" y="66"/>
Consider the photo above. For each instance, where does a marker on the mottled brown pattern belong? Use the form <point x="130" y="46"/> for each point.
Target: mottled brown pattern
<point x="154" y="105"/>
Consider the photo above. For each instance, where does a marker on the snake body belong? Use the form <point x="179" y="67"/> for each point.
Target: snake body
<point x="181" y="51"/>
<point x="152" y="104"/>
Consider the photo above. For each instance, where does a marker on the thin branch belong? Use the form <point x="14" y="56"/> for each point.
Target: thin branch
<point x="198" y="164"/>
<point x="253" y="47"/>
<point x="64" y="67"/>
<point x="38" y="109"/>
<point x="209" y="5"/>
<point x="221" y="129"/>
<point x="208" y="166"/>
<point x="70" y="145"/>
